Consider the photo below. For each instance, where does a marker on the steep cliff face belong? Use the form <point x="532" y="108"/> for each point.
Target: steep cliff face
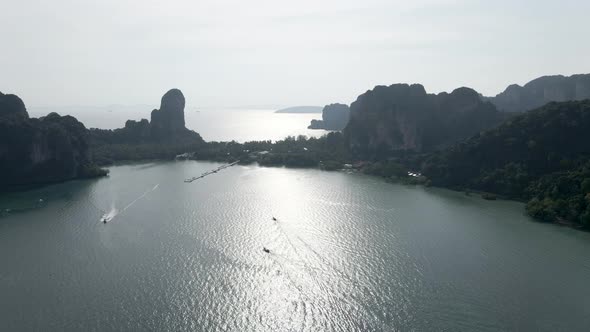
<point x="405" y="117"/>
<point x="334" y="117"/>
<point x="541" y="91"/>
<point x="49" y="149"/>
<point x="167" y="126"/>
<point x="12" y="107"/>
<point x="139" y="130"/>
<point x="168" y="121"/>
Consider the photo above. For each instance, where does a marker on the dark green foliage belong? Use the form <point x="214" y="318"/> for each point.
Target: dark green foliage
<point x="34" y="151"/>
<point x="111" y="153"/>
<point x="291" y="152"/>
<point x="136" y="132"/>
<point x="166" y="129"/>
<point x="542" y="90"/>
<point x="541" y="156"/>
<point x="388" y="119"/>
<point x="562" y="195"/>
<point x="386" y="169"/>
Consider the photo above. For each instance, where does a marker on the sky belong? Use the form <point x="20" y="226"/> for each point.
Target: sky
<point x="271" y="52"/>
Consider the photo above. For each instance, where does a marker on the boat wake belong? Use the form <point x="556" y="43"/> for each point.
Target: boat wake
<point x="115" y="212"/>
<point x="108" y="216"/>
<point x="138" y="198"/>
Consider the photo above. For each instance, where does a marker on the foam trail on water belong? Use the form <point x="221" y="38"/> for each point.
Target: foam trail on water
<point x="115" y="212"/>
<point x="140" y="197"/>
<point x="111" y="214"/>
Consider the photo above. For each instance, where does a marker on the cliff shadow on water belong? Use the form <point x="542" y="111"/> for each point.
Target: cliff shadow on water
<point x="35" y="197"/>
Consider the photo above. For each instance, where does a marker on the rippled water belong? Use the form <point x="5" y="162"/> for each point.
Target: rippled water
<point x="347" y="253"/>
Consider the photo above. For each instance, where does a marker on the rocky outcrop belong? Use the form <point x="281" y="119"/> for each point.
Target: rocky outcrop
<point x="140" y="130"/>
<point x="33" y="151"/>
<point x="168" y="121"/>
<point x="167" y="126"/>
<point x="12" y="107"/>
<point x="334" y="117"/>
<point x="541" y="91"/>
<point x="405" y="117"/>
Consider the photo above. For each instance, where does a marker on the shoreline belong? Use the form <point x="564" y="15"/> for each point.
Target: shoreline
<point x="467" y="192"/>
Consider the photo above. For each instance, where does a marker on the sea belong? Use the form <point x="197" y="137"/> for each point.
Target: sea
<point x="214" y="124"/>
<point x="252" y="248"/>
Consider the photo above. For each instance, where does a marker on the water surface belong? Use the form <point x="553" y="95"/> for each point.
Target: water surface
<point x="348" y="253"/>
<point x="214" y="124"/>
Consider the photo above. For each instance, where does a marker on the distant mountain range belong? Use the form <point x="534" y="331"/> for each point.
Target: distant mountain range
<point x="301" y="109"/>
<point x="541" y="91"/>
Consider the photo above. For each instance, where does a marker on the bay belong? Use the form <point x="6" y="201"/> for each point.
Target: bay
<point x="348" y="252"/>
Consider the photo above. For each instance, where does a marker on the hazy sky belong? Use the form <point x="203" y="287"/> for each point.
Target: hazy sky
<point x="258" y="52"/>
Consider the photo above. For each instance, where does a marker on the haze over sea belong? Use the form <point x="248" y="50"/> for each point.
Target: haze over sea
<point x="214" y="124"/>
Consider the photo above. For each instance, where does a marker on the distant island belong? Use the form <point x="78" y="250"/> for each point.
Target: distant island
<point x="334" y="117"/>
<point x="301" y="109"/>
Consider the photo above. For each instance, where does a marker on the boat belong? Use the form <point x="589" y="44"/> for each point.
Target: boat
<point x="266" y="250"/>
<point x="274" y="219"/>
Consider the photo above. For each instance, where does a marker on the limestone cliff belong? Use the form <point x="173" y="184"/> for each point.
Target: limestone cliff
<point x="167" y="126"/>
<point x="541" y="91"/>
<point x="405" y="117"/>
<point x="33" y="151"/>
<point x="168" y="121"/>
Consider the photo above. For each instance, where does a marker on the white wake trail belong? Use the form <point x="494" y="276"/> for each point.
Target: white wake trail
<point x="140" y="197"/>
<point x="115" y="212"/>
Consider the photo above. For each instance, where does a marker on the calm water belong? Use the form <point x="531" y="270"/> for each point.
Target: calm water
<point x="348" y="253"/>
<point x="213" y="124"/>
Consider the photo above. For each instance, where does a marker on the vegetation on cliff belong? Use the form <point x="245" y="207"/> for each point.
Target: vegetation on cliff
<point x="163" y="138"/>
<point x="402" y="117"/>
<point x="167" y="127"/>
<point x="166" y="137"/>
<point x="34" y="151"/>
<point x="542" y="156"/>
<point x="541" y="91"/>
<point x="398" y="132"/>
